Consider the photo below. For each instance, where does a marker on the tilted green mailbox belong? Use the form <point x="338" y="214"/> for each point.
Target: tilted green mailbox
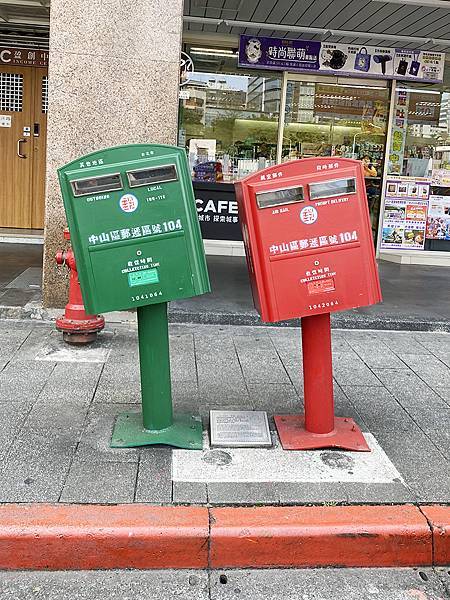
<point x="135" y="233"/>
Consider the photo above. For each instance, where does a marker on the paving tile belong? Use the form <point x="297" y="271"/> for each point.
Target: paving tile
<point x="217" y="360"/>
<point x="36" y="467"/>
<point x="379" y="409"/>
<point x="95" y="440"/>
<point x="305" y="493"/>
<point x="320" y="584"/>
<point x="37" y="338"/>
<point x="408" y="388"/>
<point x="189" y="492"/>
<point x="75" y="382"/>
<point x="403" y="342"/>
<point x="154" y="482"/>
<point x="12" y="417"/>
<point x="274" y="398"/>
<point x="100" y="483"/>
<point x="349" y="369"/>
<point x="182" y="358"/>
<point x="114" y="585"/>
<point x="243" y="493"/>
<point x="119" y="384"/>
<point x="22" y="382"/>
<point x="429" y="368"/>
<point x="259" y="360"/>
<point x="11" y="339"/>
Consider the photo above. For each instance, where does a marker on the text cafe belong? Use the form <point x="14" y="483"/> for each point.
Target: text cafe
<point x="273" y="100"/>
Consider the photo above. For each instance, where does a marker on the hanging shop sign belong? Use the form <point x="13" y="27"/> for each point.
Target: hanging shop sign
<point x="379" y="62"/>
<point x="217" y="211"/>
<point x="186" y="68"/>
<point x="438" y="220"/>
<point x="23" y="57"/>
<point x="405" y="213"/>
<point x="396" y="150"/>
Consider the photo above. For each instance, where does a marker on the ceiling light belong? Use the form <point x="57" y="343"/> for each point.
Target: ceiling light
<point x="212" y="50"/>
<point x="200" y="52"/>
<point x="434" y="3"/>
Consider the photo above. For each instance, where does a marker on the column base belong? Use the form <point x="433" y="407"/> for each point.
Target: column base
<point x="293" y="435"/>
<point x="185" y="432"/>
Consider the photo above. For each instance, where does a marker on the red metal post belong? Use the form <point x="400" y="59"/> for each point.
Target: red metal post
<point x="77" y="326"/>
<point x="318" y="427"/>
<point x="318" y="373"/>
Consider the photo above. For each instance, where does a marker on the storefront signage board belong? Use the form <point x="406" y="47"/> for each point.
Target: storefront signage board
<point x="405" y="213"/>
<point x="379" y="62"/>
<point x="23" y="57"/>
<point x="217" y="211"/>
<point x="438" y="221"/>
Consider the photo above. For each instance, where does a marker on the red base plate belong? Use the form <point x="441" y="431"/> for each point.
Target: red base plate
<point x="293" y="435"/>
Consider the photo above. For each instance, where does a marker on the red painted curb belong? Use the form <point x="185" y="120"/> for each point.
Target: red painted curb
<point x="319" y="536"/>
<point x="439" y="519"/>
<point x="58" y="537"/>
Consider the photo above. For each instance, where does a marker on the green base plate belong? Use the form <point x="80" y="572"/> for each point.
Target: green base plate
<point x="185" y="432"/>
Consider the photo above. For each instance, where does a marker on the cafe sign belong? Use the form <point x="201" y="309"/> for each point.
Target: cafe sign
<point x="23" y="57"/>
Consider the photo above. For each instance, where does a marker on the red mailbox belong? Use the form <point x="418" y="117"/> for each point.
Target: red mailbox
<point x="309" y="247"/>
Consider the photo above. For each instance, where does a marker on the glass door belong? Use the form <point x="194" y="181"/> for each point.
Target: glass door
<point x="336" y="116"/>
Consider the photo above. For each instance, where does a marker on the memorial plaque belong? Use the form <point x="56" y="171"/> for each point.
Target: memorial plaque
<point x="239" y="428"/>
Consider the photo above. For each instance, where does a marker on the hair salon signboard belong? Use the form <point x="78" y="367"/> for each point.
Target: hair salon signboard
<point x="379" y="62"/>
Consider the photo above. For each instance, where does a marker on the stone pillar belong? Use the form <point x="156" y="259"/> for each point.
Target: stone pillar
<point x="113" y="79"/>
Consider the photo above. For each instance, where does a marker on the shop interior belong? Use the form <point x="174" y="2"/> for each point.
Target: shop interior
<point x="235" y="121"/>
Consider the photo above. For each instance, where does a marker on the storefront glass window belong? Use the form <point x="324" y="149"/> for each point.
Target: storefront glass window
<point x="339" y="119"/>
<point x="420" y="147"/>
<point x="228" y="118"/>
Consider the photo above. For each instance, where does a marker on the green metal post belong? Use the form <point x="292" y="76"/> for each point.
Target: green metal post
<point x="157" y="424"/>
<point x="154" y="359"/>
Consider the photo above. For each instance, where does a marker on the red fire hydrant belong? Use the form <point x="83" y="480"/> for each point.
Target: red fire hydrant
<point x="76" y="325"/>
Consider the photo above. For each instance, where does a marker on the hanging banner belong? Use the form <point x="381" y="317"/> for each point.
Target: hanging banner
<point x="379" y="62"/>
<point x="405" y="213"/>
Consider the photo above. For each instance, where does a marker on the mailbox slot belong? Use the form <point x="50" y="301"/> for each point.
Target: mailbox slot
<point x="152" y="175"/>
<point x="333" y="187"/>
<point x="280" y="197"/>
<point x="96" y="185"/>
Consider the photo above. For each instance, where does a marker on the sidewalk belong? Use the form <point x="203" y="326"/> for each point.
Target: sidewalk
<point x="68" y="500"/>
<point x="58" y="407"/>
<point x="414" y="297"/>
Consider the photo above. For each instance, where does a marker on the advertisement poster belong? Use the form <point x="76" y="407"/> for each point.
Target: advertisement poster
<point x="341" y="59"/>
<point x="405" y="213"/>
<point x="438" y="221"/>
<point x="440" y="177"/>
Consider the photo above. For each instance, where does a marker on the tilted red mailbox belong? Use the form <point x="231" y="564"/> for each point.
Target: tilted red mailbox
<point x="309" y="247"/>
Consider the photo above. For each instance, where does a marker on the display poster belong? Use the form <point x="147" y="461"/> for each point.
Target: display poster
<point x="379" y="62"/>
<point x="217" y="211"/>
<point x="440" y="177"/>
<point x="405" y="213"/>
<point x="438" y="221"/>
<point x="23" y="57"/>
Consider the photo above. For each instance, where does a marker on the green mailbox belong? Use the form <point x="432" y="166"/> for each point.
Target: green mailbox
<point x="136" y="238"/>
